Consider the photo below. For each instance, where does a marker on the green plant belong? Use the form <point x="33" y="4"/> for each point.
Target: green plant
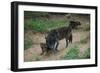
<point x="86" y="54"/>
<point x="85" y="40"/>
<point x="43" y="25"/>
<point x="27" y="43"/>
<point x="73" y="53"/>
<point x="35" y="57"/>
<point x="87" y="28"/>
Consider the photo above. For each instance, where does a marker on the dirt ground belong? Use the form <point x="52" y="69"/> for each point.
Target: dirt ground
<point x="33" y="53"/>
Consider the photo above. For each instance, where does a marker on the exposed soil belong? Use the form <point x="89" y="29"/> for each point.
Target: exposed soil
<point x="33" y="53"/>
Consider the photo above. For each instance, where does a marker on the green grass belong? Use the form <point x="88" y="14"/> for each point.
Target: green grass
<point x="83" y="41"/>
<point x="35" y="57"/>
<point x="74" y="53"/>
<point x="42" y="25"/>
<point x="87" y="28"/>
<point x="86" y="54"/>
<point x="27" y="43"/>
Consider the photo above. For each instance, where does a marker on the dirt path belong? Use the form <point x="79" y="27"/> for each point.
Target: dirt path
<point x="33" y="53"/>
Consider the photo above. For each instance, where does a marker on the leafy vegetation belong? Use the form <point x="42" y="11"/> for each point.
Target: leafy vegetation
<point x="43" y="21"/>
<point x="85" y="40"/>
<point x="86" y="54"/>
<point x="27" y="43"/>
<point x="73" y="53"/>
<point x="87" y="28"/>
<point x="42" y="25"/>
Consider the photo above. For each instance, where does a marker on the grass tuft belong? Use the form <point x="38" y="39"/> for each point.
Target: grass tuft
<point x="73" y="53"/>
<point x="27" y="43"/>
<point x="86" y="54"/>
<point x="42" y="25"/>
